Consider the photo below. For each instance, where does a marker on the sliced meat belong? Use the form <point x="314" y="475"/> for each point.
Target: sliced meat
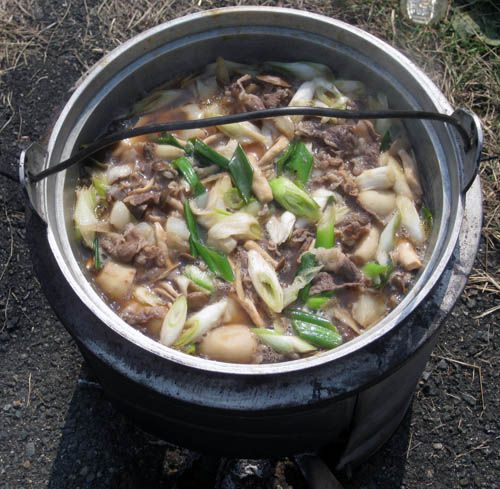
<point x="150" y="256"/>
<point x="345" y="272"/>
<point x="401" y="281"/>
<point x="151" y="196"/>
<point x="151" y="275"/>
<point x="351" y="230"/>
<point x="278" y="97"/>
<point x="248" y="101"/>
<point x="197" y="300"/>
<point x="301" y="240"/>
<point x="339" y="137"/>
<point x="335" y="178"/>
<point x="323" y="160"/>
<point x="322" y="283"/>
<point x="139" y="315"/>
<point x="122" y="247"/>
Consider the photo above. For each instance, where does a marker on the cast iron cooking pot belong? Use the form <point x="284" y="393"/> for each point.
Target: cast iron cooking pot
<point x="351" y="398"/>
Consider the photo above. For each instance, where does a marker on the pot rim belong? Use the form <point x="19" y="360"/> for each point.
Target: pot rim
<point x="430" y="275"/>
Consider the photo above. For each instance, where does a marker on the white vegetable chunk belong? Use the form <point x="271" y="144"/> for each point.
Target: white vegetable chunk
<point x="367" y="249"/>
<point x="233" y="343"/>
<point x="177" y="234"/>
<point x="118" y="172"/>
<point x="410" y="219"/>
<point x="120" y="216"/>
<point x="280" y="228"/>
<point x="116" y="280"/>
<point x="380" y="203"/>
<point x="368" y="309"/>
<point x="381" y="178"/>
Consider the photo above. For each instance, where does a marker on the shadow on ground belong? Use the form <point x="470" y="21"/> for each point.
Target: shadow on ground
<point x="101" y="448"/>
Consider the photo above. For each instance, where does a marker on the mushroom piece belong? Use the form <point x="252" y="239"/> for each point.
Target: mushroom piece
<point x="406" y="256"/>
<point x="260" y="185"/>
<point x="233" y="343"/>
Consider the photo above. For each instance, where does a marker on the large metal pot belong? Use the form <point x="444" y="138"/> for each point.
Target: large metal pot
<point x="352" y="397"/>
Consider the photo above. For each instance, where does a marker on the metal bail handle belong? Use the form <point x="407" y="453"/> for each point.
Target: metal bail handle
<point x="472" y="153"/>
<point x="32" y="161"/>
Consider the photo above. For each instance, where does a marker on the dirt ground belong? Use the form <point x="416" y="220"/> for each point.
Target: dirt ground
<point x="57" y="430"/>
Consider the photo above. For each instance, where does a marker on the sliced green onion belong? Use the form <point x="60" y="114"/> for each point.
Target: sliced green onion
<point x="307" y="317"/>
<point x="294" y="199"/>
<point x="100" y="183"/>
<point x="428" y="219"/>
<point x="298" y="160"/>
<point x="174" y="320"/>
<point x="325" y="232"/>
<point x="84" y="215"/>
<point x="410" y="220"/>
<point x="317" y="301"/>
<point x="265" y="281"/>
<point x="302" y="70"/>
<point x="233" y="199"/>
<point x="377" y="273"/>
<point x="166" y="138"/>
<point x="386" y="141"/>
<point x="216" y="262"/>
<point x="97" y="254"/>
<point x="207" y="154"/>
<point x="387" y="239"/>
<point x="187" y="170"/>
<point x="300" y="282"/>
<point x="319" y="336"/>
<point x="307" y="261"/>
<point x="190" y="349"/>
<point x="202" y="322"/>
<point x="242" y="173"/>
<point x="281" y="343"/>
<point x="199" y="277"/>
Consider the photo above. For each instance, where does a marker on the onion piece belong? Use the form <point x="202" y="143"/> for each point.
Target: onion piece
<point x="410" y="219"/>
<point x="120" y="216"/>
<point x="177" y="234"/>
<point x="118" y="172"/>
<point x="239" y="225"/>
<point x="202" y="322"/>
<point x="281" y="228"/>
<point x="368" y="309"/>
<point x="265" y="281"/>
<point x="174" y="321"/>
